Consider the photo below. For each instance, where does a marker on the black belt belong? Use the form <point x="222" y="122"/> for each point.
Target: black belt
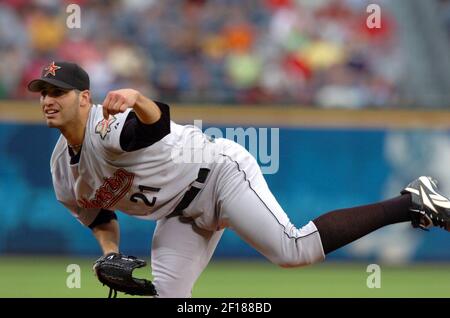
<point x="190" y="194"/>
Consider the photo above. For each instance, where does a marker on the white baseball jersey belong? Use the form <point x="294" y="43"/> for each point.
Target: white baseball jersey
<point x="145" y="183"/>
<point x="151" y="182"/>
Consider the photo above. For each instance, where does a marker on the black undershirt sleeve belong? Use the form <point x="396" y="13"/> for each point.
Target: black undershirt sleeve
<point x="136" y="135"/>
<point x="104" y="216"/>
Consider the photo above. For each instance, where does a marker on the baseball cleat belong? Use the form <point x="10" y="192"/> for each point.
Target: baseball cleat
<point x="428" y="206"/>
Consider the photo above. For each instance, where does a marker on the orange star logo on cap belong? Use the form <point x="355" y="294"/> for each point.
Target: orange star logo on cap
<point x="51" y="69"/>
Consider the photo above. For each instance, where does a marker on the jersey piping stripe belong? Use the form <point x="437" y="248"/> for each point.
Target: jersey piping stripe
<point x="273" y="214"/>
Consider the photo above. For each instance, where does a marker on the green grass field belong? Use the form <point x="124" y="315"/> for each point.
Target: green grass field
<point x="46" y="277"/>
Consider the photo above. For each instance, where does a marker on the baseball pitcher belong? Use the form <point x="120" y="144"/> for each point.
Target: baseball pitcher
<point x="127" y="155"/>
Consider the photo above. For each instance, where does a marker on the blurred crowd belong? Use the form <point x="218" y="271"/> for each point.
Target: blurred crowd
<point x="300" y="52"/>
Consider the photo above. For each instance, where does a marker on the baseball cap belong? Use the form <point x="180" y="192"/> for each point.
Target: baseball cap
<point x="64" y="75"/>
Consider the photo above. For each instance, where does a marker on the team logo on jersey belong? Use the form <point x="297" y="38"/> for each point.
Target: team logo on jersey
<point x="110" y="192"/>
<point x="104" y="126"/>
<point x="51" y="69"/>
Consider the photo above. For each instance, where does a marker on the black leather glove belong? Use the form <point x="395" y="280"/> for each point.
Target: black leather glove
<point x="116" y="271"/>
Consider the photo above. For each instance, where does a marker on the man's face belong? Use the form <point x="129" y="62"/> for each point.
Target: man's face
<point x="59" y="106"/>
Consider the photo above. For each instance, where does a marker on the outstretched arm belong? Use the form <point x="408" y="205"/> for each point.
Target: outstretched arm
<point x="106" y="230"/>
<point x="148" y="123"/>
<point x="118" y="101"/>
<point x="108" y="236"/>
